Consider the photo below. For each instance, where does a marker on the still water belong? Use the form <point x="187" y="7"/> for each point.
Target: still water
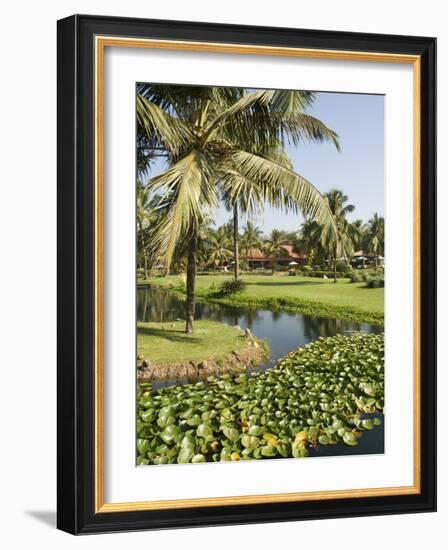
<point x="283" y="332"/>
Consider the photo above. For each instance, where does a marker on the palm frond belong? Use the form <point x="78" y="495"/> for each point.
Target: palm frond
<point x="187" y="193"/>
<point x="172" y="133"/>
<point x="282" y="187"/>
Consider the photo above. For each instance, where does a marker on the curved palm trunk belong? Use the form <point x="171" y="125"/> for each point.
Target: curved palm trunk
<point x="236" y="253"/>
<point x="191" y="282"/>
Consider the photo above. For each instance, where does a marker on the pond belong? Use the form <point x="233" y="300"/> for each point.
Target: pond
<point x="283" y="332"/>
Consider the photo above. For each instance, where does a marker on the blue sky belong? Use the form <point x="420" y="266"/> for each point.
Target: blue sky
<point x="358" y="169"/>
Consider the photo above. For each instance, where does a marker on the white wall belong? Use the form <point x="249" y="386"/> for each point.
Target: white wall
<point x="27" y="292"/>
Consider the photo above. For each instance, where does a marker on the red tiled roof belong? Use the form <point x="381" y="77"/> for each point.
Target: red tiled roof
<point x="256" y="254"/>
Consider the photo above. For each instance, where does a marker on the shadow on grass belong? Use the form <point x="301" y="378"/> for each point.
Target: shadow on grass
<point x="172" y="335"/>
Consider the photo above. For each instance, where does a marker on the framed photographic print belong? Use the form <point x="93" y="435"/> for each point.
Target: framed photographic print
<point x="246" y="274"/>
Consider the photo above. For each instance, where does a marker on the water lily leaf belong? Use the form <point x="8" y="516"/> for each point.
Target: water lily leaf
<point x="367" y="424"/>
<point x="142" y="446"/>
<point x="198" y="458"/>
<point x="268" y="450"/>
<point x="231" y="433"/>
<point x="204" y="430"/>
<point x="170" y="433"/>
<point x="249" y="441"/>
<point x="185" y="455"/>
<point x="350" y="439"/>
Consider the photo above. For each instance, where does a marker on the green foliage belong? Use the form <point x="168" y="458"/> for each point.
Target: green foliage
<point x="343" y="267"/>
<point x="231" y="286"/>
<point x="375" y="281"/>
<point x="322" y="394"/>
<point x="357" y="276"/>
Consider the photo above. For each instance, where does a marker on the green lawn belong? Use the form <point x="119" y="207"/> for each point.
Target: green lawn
<point x="167" y="343"/>
<point x="309" y="295"/>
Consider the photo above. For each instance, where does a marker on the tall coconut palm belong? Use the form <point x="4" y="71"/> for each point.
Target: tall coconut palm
<point x="375" y="237"/>
<point x="215" y="141"/>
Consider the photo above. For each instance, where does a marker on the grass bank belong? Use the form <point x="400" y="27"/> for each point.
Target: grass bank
<point x="213" y="348"/>
<point x="307" y="295"/>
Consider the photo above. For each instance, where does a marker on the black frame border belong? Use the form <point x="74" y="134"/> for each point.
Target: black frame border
<point x="76" y="267"/>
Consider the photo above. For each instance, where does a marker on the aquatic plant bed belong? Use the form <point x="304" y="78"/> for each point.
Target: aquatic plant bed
<point x="306" y="295"/>
<point x="322" y="394"/>
<point x="213" y="348"/>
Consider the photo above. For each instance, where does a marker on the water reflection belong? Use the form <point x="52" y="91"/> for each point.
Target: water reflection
<point x="282" y="330"/>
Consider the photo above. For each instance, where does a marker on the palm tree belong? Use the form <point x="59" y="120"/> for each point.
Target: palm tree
<point x="218" y="247"/>
<point x="308" y="241"/>
<point x="251" y="239"/>
<point x="289" y="123"/>
<point x="218" y="142"/>
<point x="274" y="246"/>
<point x="339" y="242"/>
<point x="375" y="237"/>
<point x="144" y="217"/>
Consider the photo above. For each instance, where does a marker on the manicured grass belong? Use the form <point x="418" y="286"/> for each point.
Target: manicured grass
<point x="311" y="296"/>
<point x="165" y="343"/>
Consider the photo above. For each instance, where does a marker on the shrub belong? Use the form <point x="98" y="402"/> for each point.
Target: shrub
<point x="292" y="272"/>
<point x="306" y="268"/>
<point x="375" y="282"/>
<point x="343" y="267"/>
<point x="231" y="286"/>
<point x="357" y="277"/>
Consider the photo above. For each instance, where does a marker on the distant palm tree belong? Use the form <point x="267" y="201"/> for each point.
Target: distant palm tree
<point x="218" y="247"/>
<point x="218" y="142"/>
<point x="375" y="237"/>
<point x="144" y="218"/>
<point x="308" y="242"/>
<point x="339" y="242"/>
<point x="251" y="240"/>
<point x="275" y="245"/>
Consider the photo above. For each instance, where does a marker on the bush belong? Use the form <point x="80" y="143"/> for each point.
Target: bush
<point x="357" y="277"/>
<point x="343" y="267"/>
<point x="231" y="286"/>
<point x="292" y="272"/>
<point x="306" y="268"/>
<point x="375" y="282"/>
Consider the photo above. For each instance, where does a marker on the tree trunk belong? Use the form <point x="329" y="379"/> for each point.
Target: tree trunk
<point x="191" y="282"/>
<point x="145" y="263"/>
<point x="334" y="268"/>
<point x="236" y="254"/>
